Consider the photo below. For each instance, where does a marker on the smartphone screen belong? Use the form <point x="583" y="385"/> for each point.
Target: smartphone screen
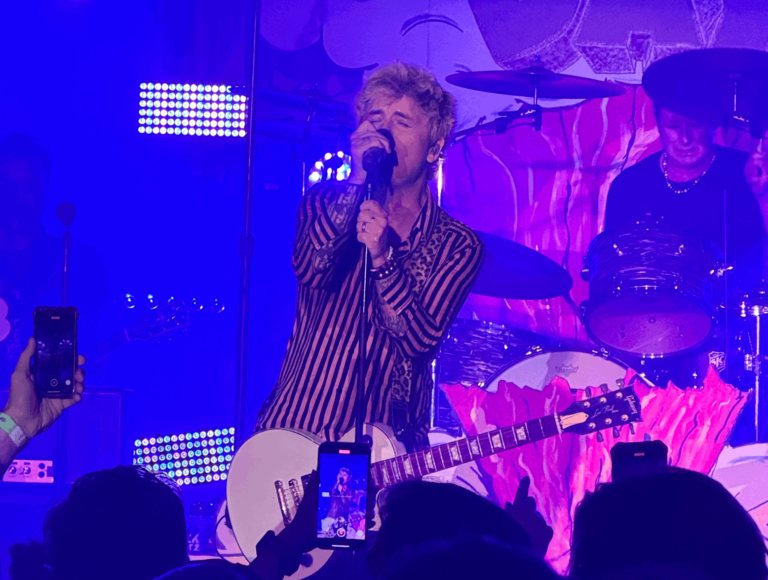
<point x="56" y="357"/>
<point x="637" y="459"/>
<point x="341" y="515"/>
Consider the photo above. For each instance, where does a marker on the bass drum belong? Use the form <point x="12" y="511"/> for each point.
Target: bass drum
<point x="744" y="472"/>
<point x="579" y="369"/>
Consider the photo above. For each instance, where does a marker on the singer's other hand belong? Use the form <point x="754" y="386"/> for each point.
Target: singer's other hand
<point x="364" y="137"/>
<point x="372" y="226"/>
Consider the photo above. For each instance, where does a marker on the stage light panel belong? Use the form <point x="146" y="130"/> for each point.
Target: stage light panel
<point x="188" y="458"/>
<point x="200" y="110"/>
<point x="334" y="166"/>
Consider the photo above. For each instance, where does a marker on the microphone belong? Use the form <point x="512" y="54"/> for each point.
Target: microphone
<point x="375" y="156"/>
<point x="66" y="213"/>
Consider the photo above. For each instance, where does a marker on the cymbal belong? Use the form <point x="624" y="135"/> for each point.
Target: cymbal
<point x="535" y="81"/>
<point x="303" y="131"/>
<point x="511" y="270"/>
<point x="700" y="83"/>
<point x="308" y="101"/>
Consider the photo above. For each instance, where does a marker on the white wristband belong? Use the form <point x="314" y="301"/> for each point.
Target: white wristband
<point x="16" y="433"/>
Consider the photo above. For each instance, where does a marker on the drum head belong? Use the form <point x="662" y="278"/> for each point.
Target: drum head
<point x="580" y="369"/>
<point x="649" y="325"/>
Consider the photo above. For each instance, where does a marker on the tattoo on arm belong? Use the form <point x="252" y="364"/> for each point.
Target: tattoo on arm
<point x="391" y="320"/>
<point x="385" y="283"/>
<point x="343" y="208"/>
<point x="322" y="259"/>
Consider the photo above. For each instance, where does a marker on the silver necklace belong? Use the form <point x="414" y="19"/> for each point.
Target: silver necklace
<point x="692" y="185"/>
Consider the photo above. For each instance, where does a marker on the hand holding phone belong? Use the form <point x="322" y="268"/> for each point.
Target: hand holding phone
<point x="343" y="469"/>
<point x="30" y="412"/>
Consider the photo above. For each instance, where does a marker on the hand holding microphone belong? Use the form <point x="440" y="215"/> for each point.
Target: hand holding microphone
<point x="369" y="148"/>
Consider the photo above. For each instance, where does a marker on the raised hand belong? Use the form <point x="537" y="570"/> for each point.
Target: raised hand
<point x="525" y="513"/>
<point x="32" y="414"/>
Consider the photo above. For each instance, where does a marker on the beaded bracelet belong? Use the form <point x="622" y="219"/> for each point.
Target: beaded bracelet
<point x="386" y="269"/>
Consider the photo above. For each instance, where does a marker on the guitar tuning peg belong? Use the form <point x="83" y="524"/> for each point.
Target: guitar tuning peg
<point x="588" y="390"/>
<point x="616" y="432"/>
<point x="604" y="388"/>
<point x="632" y="428"/>
<point x="600" y="437"/>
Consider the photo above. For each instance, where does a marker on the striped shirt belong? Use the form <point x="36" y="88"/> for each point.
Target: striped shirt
<point x="409" y="312"/>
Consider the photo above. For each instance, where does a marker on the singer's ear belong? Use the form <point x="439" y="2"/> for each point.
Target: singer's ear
<point x="434" y="150"/>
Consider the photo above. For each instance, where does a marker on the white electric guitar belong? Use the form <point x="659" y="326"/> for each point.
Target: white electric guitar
<point x="267" y="476"/>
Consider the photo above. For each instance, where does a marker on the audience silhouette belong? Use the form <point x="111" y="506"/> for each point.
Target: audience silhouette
<point x="679" y="524"/>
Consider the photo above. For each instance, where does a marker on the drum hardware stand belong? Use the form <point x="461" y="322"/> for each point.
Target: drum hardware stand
<point x="737" y="120"/>
<point x="755" y="363"/>
<point x="504" y="121"/>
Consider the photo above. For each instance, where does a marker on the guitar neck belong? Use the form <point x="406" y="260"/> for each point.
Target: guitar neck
<point x="420" y="463"/>
<point x="107" y="346"/>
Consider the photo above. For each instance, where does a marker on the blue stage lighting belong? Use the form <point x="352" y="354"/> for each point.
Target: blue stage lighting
<point x="203" y="448"/>
<point x="334" y="166"/>
<point x="206" y="101"/>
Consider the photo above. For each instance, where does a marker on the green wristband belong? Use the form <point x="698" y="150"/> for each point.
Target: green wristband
<point x="15" y="432"/>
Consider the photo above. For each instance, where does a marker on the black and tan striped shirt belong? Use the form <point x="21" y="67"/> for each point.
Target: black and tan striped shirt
<point x="410" y="312"/>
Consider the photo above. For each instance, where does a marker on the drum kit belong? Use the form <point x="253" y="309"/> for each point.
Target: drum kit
<point x="656" y="299"/>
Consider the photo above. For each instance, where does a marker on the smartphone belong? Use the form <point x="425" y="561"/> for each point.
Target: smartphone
<point x="55" y="360"/>
<point x="637" y="459"/>
<point x="343" y="469"/>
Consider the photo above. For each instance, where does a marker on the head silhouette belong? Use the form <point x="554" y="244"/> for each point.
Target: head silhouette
<point x="121" y="523"/>
<point x="210" y="570"/>
<point x="417" y="512"/>
<point x="464" y="557"/>
<point x="656" y="526"/>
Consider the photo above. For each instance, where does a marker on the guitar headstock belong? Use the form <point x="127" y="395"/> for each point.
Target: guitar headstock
<point x="172" y="316"/>
<point x="611" y="409"/>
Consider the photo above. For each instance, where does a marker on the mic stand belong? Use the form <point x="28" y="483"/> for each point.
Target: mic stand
<point x="374" y="182"/>
<point x="60" y="448"/>
<point x="242" y="427"/>
<point x="362" y="337"/>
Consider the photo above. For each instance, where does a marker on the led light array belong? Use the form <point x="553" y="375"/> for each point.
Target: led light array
<point x="333" y="166"/>
<point x="188" y="458"/>
<point x="176" y="109"/>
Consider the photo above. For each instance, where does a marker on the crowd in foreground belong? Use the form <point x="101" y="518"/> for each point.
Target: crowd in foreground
<point x="127" y="523"/>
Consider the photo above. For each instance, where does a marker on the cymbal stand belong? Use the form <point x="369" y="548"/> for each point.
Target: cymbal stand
<point x="504" y="121"/>
<point x="738" y="120"/>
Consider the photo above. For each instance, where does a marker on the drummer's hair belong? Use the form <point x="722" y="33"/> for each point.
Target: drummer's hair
<point x="400" y="79"/>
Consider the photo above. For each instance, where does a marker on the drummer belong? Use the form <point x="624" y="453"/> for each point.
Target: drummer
<point x="695" y="187"/>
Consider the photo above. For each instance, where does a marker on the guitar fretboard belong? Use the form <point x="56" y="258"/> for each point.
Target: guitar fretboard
<point x="440" y="457"/>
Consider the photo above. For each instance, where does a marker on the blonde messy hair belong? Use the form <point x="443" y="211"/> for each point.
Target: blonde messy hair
<point x="399" y="79"/>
